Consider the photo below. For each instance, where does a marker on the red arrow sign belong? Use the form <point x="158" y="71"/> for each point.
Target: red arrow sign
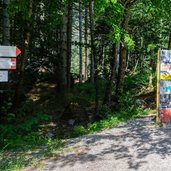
<point x="9" y="51"/>
<point x="18" y="51"/>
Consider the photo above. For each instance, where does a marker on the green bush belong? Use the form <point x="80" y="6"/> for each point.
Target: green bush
<point x="21" y="133"/>
<point x="137" y="79"/>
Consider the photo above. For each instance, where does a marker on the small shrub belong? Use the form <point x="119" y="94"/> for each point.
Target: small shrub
<point x="21" y="133"/>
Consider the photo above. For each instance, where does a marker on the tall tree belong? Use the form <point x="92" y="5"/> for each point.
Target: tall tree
<point x="86" y="43"/>
<point x="26" y="21"/>
<point x="113" y="61"/>
<point x="80" y="42"/>
<point x="62" y="58"/>
<point x="123" y="46"/>
<point x="92" y="28"/>
<point x="69" y="43"/>
<point x="6" y="24"/>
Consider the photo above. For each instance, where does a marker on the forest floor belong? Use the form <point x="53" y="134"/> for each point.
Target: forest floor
<point x="137" y="144"/>
<point x="49" y="145"/>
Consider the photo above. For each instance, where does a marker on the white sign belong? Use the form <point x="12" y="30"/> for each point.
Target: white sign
<point x="9" y="51"/>
<point x="3" y="76"/>
<point x="7" y="63"/>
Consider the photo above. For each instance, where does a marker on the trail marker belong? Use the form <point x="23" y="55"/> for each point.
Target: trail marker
<point x="7" y="63"/>
<point x="9" y="51"/>
<point x="3" y="76"/>
<point x="8" y="56"/>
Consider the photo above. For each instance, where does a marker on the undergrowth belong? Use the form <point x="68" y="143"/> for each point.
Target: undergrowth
<point x="21" y="133"/>
<point x="128" y="110"/>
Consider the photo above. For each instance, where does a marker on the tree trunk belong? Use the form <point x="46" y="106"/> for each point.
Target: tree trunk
<point x="91" y="14"/>
<point x="69" y="45"/>
<point x="61" y="67"/>
<point x="123" y="53"/>
<point x="19" y="92"/>
<point x="86" y="42"/>
<point x="108" y="92"/>
<point x="6" y="25"/>
<point x="169" y="44"/>
<point x="94" y="69"/>
<point x="80" y="40"/>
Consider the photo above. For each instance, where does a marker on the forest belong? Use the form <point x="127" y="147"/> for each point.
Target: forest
<point x="85" y="65"/>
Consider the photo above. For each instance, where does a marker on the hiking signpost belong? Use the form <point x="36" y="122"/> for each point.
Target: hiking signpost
<point x="164" y="86"/>
<point x="3" y="76"/>
<point x="9" y="51"/>
<point x="8" y="60"/>
<point x="7" y="63"/>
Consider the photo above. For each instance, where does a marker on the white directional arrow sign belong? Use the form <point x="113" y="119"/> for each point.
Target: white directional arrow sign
<point x="9" y="51"/>
<point x="7" y="63"/>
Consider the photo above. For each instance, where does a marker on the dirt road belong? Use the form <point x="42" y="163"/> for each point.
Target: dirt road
<point x="134" y="145"/>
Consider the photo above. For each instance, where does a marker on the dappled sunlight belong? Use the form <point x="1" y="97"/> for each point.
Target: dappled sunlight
<point x="131" y="145"/>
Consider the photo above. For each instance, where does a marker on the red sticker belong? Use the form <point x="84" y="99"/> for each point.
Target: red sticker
<point x="13" y="67"/>
<point x="165" y="115"/>
<point x="13" y="59"/>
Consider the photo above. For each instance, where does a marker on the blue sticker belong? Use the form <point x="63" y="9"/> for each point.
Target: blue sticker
<point x="168" y="88"/>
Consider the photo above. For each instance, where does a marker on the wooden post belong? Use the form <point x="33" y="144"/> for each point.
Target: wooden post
<point x="158" y="86"/>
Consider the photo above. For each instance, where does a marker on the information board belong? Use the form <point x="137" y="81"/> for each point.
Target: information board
<point x="164" y="86"/>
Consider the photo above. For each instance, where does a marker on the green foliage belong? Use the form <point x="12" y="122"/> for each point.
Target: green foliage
<point x="52" y="146"/>
<point x="19" y="133"/>
<point x="115" y="34"/>
<point x="28" y="124"/>
<point x="151" y="47"/>
<point x="101" y="5"/>
<point x="19" y="159"/>
<point x="13" y="163"/>
<point x="5" y="108"/>
<point x="19" y="7"/>
<point x="137" y="79"/>
<point x="128" y="107"/>
<point x="86" y="91"/>
<point x="105" y="111"/>
<point x="128" y="40"/>
<point x="112" y="119"/>
<point x="21" y="127"/>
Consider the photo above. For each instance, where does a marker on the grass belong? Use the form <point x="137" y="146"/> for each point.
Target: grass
<point x="32" y="150"/>
<point x="110" y="121"/>
<point x="37" y="151"/>
<point x="35" y="154"/>
<point x="18" y="159"/>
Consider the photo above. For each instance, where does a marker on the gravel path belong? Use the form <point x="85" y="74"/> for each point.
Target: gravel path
<point x="134" y="145"/>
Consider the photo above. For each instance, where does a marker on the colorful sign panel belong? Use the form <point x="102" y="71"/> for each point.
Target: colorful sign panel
<point x="164" y="86"/>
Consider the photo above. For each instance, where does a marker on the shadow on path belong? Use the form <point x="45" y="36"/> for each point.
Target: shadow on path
<point x="134" y="145"/>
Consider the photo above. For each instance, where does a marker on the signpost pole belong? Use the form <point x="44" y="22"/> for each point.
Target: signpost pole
<point x="158" y="79"/>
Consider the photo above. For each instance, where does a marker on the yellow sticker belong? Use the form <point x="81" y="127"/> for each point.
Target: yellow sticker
<point x="165" y="76"/>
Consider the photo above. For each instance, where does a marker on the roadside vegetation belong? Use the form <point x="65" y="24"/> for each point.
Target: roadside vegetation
<point x="84" y="66"/>
<point x="40" y="134"/>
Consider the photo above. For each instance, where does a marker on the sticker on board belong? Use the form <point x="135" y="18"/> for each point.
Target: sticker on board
<point x="165" y="76"/>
